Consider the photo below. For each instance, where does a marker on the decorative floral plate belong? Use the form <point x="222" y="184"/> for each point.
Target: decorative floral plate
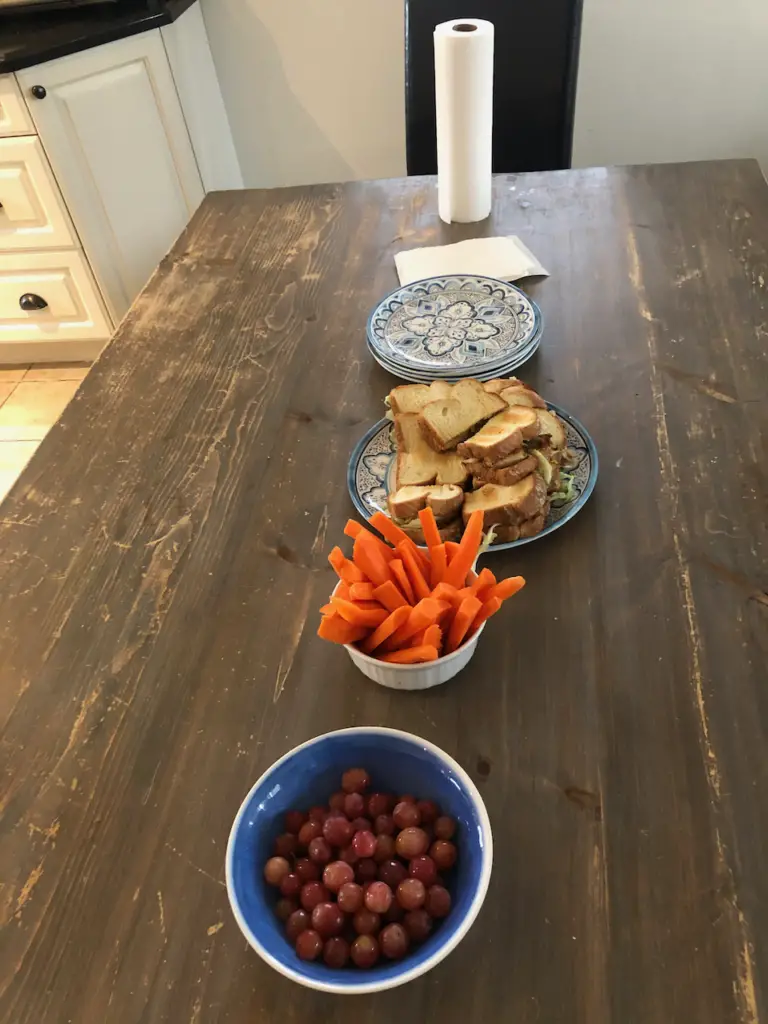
<point x="453" y="325"/>
<point x="372" y="465"/>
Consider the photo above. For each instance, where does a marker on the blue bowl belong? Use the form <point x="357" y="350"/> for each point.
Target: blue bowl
<point x="398" y="762"/>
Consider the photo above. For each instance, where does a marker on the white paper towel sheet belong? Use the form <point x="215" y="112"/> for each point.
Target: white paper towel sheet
<point x="506" y="258"/>
<point x="464" y="114"/>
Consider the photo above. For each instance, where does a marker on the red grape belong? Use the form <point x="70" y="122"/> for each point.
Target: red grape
<point x="308" y="945"/>
<point x="336" y="803"/>
<point x="275" y="870"/>
<point x="336" y="874"/>
<point x="298" y="922"/>
<point x="336" y="952"/>
<point x="285" y="845"/>
<point x="313" y="893"/>
<point x="294" y="820"/>
<point x="364" y="844"/>
<point x="428" y="810"/>
<point x="364" y="951"/>
<point x="438" y="901"/>
<point x="384" y="825"/>
<point x="310" y="830"/>
<point x="338" y="831"/>
<point x="443" y="854"/>
<point x="366" y="922"/>
<point x="354" y="805"/>
<point x="411" y="842"/>
<point x="290" y="884"/>
<point x="395" y="913"/>
<point x="350" y="897"/>
<point x="406" y="814"/>
<point x="424" y="869"/>
<point x="378" y="897"/>
<point x="316" y="813"/>
<point x="307" y="870"/>
<point x="394" y="941"/>
<point x="445" y="828"/>
<point x="411" y="893"/>
<point x="385" y="849"/>
<point x="356" y="780"/>
<point x="362" y="825"/>
<point x="285" y="907"/>
<point x="319" y="851"/>
<point x="418" y="924"/>
<point x="392" y="872"/>
<point x="349" y="855"/>
<point x="406" y="798"/>
<point x="379" y="803"/>
<point x="366" y="870"/>
<point x="327" y="919"/>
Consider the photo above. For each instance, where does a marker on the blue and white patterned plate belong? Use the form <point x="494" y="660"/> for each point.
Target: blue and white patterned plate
<point x="370" y="474"/>
<point x="453" y="325"/>
<point x="506" y="370"/>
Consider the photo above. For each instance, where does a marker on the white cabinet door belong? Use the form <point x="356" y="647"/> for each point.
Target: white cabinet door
<point x="114" y="132"/>
<point x="32" y="215"/>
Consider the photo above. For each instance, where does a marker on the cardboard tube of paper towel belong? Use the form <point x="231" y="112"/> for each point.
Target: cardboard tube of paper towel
<point x="464" y="113"/>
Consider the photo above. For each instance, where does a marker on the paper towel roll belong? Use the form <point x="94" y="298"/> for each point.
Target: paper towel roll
<point x="464" y="111"/>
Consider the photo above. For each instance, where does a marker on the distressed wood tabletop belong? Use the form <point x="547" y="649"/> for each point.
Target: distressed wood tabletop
<point x="163" y="556"/>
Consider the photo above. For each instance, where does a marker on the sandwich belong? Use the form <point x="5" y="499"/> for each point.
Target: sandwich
<point x="447" y="421"/>
<point x="445" y="500"/>
<point x="418" y="464"/>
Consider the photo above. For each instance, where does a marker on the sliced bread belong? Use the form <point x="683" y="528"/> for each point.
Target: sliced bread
<point x="448" y="421"/>
<point x="504" y="476"/>
<point x="411" y="398"/>
<point x="503" y="506"/>
<point x="519" y="394"/>
<point x="445" y="502"/>
<point x="550" y="426"/>
<point x="501" y="435"/>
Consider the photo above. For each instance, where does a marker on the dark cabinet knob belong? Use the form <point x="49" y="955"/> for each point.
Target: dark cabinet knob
<point x="30" y="302"/>
<point x="38" y="91"/>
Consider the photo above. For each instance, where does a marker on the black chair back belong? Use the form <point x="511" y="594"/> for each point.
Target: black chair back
<point x="535" y="65"/>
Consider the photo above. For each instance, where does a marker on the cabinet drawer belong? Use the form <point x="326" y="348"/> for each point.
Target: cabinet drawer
<point x="14" y="116"/>
<point x="61" y="284"/>
<point x="32" y="212"/>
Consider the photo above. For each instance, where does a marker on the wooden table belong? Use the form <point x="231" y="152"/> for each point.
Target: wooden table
<point x="164" y="555"/>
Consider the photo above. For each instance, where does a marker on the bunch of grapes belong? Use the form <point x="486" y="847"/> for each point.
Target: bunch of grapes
<point x="363" y="877"/>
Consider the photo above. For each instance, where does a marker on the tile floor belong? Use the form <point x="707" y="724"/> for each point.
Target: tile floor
<point x="31" y="400"/>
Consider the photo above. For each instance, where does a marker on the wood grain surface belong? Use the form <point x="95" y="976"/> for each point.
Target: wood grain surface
<point x="163" y="556"/>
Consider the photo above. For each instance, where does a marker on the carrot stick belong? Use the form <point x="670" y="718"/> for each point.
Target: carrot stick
<point x="429" y="528"/>
<point x="488" y="609"/>
<point x="462" y="620"/>
<point x="327" y="609"/>
<point x="439" y="564"/>
<point x="358" y="616"/>
<point x="415" y="575"/>
<point x="433" y="637"/>
<point x="388" y="594"/>
<point x="343" y="590"/>
<point x="345" y="569"/>
<point x="411" y="655"/>
<point x="353" y="529"/>
<point x="464" y="558"/>
<point x="484" y="581"/>
<point x="397" y="569"/>
<point x="339" y="631"/>
<point x="451" y="547"/>
<point x="445" y="592"/>
<point x="392" y="532"/>
<point x="423" y="615"/>
<point x="369" y="559"/>
<point x="506" y="588"/>
<point x="393" y="621"/>
<point x="361" y="592"/>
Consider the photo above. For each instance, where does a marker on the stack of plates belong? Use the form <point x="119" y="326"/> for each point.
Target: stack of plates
<point x="453" y="327"/>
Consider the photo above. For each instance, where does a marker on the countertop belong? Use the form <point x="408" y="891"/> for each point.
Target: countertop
<point x="31" y="37"/>
<point x="164" y="555"/>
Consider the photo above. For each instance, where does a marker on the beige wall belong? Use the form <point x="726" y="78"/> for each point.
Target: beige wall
<point x="314" y="89"/>
<point x="664" y="80"/>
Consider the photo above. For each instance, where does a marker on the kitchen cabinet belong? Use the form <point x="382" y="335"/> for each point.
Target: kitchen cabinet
<point x="104" y="156"/>
<point x="114" y="132"/>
